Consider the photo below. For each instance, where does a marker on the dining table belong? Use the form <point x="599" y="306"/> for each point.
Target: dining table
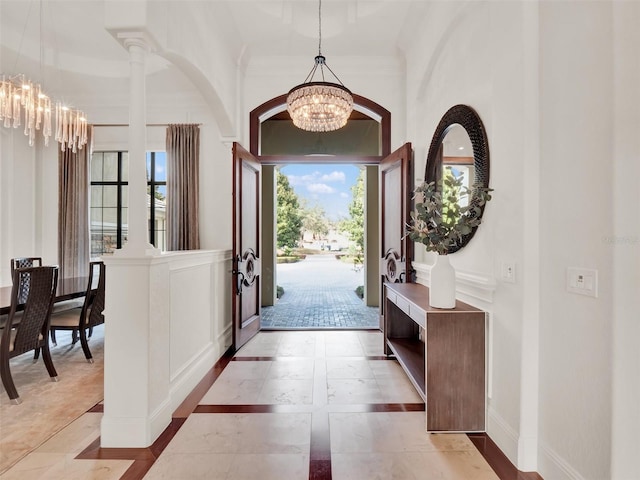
<point x="68" y="288"/>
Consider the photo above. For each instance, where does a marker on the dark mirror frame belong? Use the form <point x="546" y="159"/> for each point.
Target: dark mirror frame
<point x="470" y="121"/>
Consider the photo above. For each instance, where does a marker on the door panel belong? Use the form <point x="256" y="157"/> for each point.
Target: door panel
<point x="396" y="185"/>
<point x="246" y="246"/>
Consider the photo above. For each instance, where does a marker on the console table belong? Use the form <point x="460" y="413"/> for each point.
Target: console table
<point x="443" y="353"/>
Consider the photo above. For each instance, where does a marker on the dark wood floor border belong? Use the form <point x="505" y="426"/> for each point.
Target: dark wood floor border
<point x="144" y="458"/>
<point x="192" y="400"/>
<point x="392" y="407"/>
<point x="95" y="452"/>
<point x="498" y="460"/>
<point x="97" y="408"/>
<point x="294" y="358"/>
<point x="320" y="447"/>
<point x="353" y="408"/>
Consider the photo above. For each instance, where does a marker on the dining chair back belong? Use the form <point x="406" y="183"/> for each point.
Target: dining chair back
<point x="28" y="330"/>
<point x="24" y="262"/>
<point x="83" y="319"/>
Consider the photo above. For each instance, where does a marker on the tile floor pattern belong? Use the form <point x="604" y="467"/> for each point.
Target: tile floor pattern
<point x="320" y="293"/>
<point x="287" y="403"/>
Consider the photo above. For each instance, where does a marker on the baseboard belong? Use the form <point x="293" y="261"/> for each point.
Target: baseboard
<point x="503" y="435"/>
<point x="503" y="468"/>
<point x="160" y="419"/>
<point x="183" y="383"/>
<point x="134" y="432"/>
<point x="550" y="464"/>
<point x="554" y="466"/>
<point x="225" y="339"/>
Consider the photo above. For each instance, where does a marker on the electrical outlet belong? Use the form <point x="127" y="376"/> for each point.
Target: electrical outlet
<point x="508" y="273"/>
<point x="583" y="281"/>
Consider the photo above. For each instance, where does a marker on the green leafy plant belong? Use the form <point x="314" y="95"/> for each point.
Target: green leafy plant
<point x="446" y="215"/>
<point x="289" y="218"/>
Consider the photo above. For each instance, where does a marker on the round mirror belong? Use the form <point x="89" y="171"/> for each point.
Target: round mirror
<point x="459" y="147"/>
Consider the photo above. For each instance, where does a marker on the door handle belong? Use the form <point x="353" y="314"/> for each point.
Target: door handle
<point x="239" y="275"/>
<point x="239" y="281"/>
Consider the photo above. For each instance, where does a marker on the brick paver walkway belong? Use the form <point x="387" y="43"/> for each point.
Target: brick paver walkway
<point x="319" y="293"/>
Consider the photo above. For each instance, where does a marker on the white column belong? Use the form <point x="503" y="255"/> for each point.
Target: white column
<point x="137" y="241"/>
<point x="136" y="372"/>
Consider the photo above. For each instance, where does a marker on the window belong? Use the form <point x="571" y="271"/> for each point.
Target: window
<point x="108" y="207"/>
<point x="157" y="183"/>
<point x="109" y="200"/>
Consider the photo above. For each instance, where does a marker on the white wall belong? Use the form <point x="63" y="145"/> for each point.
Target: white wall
<point x="472" y="54"/>
<point x="625" y="242"/>
<point x="576" y="115"/>
<point x="556" y="87"/>
<point x="26" y="178"/>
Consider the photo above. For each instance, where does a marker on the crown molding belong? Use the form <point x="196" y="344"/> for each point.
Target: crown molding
<point x="468" y="284"/>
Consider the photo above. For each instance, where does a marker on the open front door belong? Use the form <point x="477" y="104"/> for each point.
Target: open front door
<point x="396" y="186"/>
<point x="246" y="246"/>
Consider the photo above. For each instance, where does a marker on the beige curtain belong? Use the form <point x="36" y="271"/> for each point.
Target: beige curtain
<point x="73" y="211"/>
<point x="183" y="163"/>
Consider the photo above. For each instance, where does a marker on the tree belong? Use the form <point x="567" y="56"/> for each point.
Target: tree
<point x="315" y="221"/>
<point x="354" y="225"/>
<point x="289" y="218"/>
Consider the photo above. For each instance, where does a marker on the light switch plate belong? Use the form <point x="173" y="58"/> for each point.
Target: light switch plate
<point x="508" y="272"/>
<point x="583" y="281"/>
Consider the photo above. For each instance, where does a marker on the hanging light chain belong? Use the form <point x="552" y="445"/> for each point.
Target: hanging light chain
<point x="320" y="106"/>
<point x="320" y="27"/>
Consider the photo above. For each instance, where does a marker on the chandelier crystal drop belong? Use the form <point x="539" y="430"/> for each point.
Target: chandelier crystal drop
<point x="320" y="106"/>
<point x="22" y="101"/>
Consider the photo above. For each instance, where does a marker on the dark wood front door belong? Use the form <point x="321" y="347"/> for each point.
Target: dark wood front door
<point x="396" y="185"/>
<point x="246" y="246"/>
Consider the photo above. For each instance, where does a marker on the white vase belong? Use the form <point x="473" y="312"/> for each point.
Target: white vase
<point x="442" y="291"/>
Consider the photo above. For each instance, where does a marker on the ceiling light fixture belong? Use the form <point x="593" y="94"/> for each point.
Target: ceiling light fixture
<point x="320" y="106"/>
<point x="19" y="94"/>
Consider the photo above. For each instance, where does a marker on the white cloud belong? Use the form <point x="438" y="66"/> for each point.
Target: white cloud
<point x="316" y="177"/>
<point x="344" y="195"/>
<point x="334" y="176"/>
<point x="320" y="188"/>
<point x="296" y="180"/>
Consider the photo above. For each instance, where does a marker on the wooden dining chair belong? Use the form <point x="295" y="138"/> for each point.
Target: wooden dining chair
<point x="28" y="330"/>
<point x="24" y="262"/>
<point x="83" y="319"/>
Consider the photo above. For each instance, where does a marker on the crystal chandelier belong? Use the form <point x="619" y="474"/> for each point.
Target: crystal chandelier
<point x="23" y="101"/>
<point x="19" y="94"/>
<point x="320" y="106"/>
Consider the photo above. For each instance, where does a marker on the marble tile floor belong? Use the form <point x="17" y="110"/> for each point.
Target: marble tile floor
<point x="288" y="405"/>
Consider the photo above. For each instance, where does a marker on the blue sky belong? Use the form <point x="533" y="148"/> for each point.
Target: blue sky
<point x="326" y="185"/>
